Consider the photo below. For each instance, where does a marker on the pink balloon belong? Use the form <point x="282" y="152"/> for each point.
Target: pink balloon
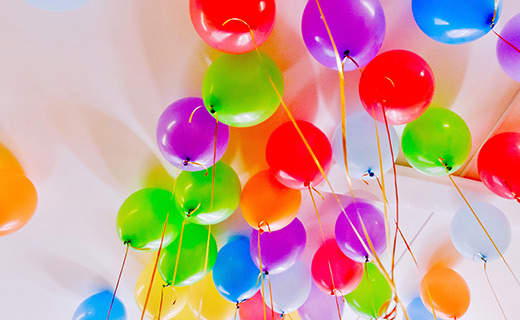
<point x="253" y="309"/>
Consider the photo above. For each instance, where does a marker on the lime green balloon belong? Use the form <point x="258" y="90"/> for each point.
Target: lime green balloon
<point x="370" y="298"/>
<point x="437" y="134"/>
<point x="141" y="218"/>
<point x="190" y="268"/>
<point x="237" y="87"/>
<point x="193" y="194"/>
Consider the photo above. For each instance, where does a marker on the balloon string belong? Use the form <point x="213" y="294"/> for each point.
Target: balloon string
<point x="365" y="265"/>
<point x="118" y="278"/>
<point x="480" y="222"/>
<point x="495" y="12"/>
<point x="178" y="252"/>
<point x="205" y="269"/>
<point x="493" y="289"/>
<point x="261" y="272"/>
<point x="161" y="303"/>
<point x="187" y="161"/>
<point x="193" y="112"/>
<point x="270" y="294"/>
<point x="509" y="43"/>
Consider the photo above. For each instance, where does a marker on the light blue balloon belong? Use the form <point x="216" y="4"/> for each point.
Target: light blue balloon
<point x="417" y="311"/>
<point x="96" y="308"/>
<point x="455" y="22"/>
<point x="469" y="238"/>
<point x="362" y="150"/>
<point x="290" y="288"/>
<point x="235" y="275"/>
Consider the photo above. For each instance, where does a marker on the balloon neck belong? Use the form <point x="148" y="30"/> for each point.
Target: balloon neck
<point x="306" y="184"/>
<point x="367" y="259"/>
<point x="186" y="162"/>
<point x="346" y="53"/>
<point x="370" y="173"/>
<point x="483" y="258"/>
<point x="261" y="227"/>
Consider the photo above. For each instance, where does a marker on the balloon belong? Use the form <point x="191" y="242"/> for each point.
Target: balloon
<point x="280" y="249"/>
<point x="509" y="57"/>
<point x="320" y="306"/>
<point x="290" y="159"/>
<point x="357" y="27"/>
<point x="192" y="256"/>
<point x="190" y="145"/>
<point x="347" y="273"/>
<point x="237" y="87"/>
<point x="438" y="134"/>
<point x="398" y="82"/>
<point x="371" y="297"/>
<point x="141" y="219"/>
<point x="268" y="205"/>
<point x="8" y="161"/>
<point x="193" y="194"/>
<point x="469" y="238"/>
<point x="208" y="18"/>
<point x="455" y="22"/>
<point x="96" y="307"/>
<point x="173" y="300"/>
<point x="448" y="292"/>
<point x="362" y="149"/>
<point x="359" y="214"/>
<point x="253" y="309"/>
<point x="57" y="5"/>
<point x="417" y="311"/>
<point x="18" y="201"/>
<point x="497" y="164"/>
<point x="214" y="306"/>
<point x="234" y="263"/>
<point x="187" y="314"/>
<point x="290" y="288"/>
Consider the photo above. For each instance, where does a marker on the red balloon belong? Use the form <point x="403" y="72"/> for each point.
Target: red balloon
<point x="290" y="159"/>
<point x="208" y="17"/>
<point x="253" y="309"/>
<point x="399" y="82"/>
<point x="498" y="163"/>
<point x="347" y="273"/>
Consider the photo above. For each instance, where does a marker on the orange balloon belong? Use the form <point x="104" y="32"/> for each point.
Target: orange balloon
<point x="268" y="205"/>
<point x="18" y="201"/>
<point x="8" y="161"/>
<point x="447" y="291"/>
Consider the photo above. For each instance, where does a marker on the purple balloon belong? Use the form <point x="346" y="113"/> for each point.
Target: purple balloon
<point x="184" y="143"/>
<point x="509" y="57"/>
<point x="357" y="27"/>
<point x="374" y="222"/>
<point x="320" y="306"/>
<point x="280" y="249"/>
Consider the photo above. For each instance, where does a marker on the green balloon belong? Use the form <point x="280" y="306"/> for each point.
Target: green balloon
<point x="371" y="296"/>
<point x="437" y="134"/>
<point x="193" y="194"/>
<point x="190" y="267"/>
<point x="141" y="218"/>
<point x="237" y="87"/>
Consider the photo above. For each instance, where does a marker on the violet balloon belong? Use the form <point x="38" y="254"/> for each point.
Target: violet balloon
<point x="507" y="53"/>
<point x="320" y="306"/>
<point x="357" y="27"/>
<point x="359" y="214"/>
<point x="190" y="145"/>
<point x="280" y="249"/>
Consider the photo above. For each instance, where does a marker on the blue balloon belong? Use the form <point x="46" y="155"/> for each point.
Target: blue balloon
<point x="455" y="22"/>
<point x="96" y="308"/>
<point x="469" y="238"/>
<point x="57" y="5"/>
<point x="362" y="150"/>
<point x="417" y="311"/>
<point x="235" y="275"/>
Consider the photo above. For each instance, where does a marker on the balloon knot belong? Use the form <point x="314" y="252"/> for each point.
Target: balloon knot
<point x="186" y="162"/>
<point x="306" y="184"/>
<point x="211" y="110"/>
<point x="266" y="272"/>
<point x="346" y="53"/>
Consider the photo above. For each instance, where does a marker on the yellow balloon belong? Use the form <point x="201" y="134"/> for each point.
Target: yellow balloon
<point x="214" y="306"/>
<point x="186" y="314"/>
<point x="174" y="299"/>
<point x="294" y="315"/>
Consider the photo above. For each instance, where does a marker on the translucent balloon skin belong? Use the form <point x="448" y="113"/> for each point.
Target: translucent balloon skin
<point x="498" y="163"/>
<point x="360" y="214"/>
<point x="192" y="257"/>
<point x="290" y="159"/>
<point x="320" y="306"/>
<point x="208" y="18"/>
<point x="509" y="57"/>
<point x="253" y="309"/>
<point x="193" y="194"/>
<point x="417" y="311"/>
<point x="141" y="218"/>
<point x="237" y="87"/>
<point x="438" y="133"/>
<point x="398" y="82"/>
<point x="18" y="201"/>
<point x="469" y="238"/>
<point x="448" y="292"/>
<point x="214" y="306"/>
<point x="357" y="27"/>
<point x="280" y="249"/>
<point x="180" y="140"/>
<point x="57" y="5"/>
<point x="457" y="22"/>
<point x="96" y="307"/>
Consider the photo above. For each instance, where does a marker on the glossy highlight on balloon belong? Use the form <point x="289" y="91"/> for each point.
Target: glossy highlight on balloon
<point x="507" y="53"/>
<point x="96" y="307"/>
<point x="18" y="201"/>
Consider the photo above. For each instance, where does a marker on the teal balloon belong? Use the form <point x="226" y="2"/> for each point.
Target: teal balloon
<point x="469" y="238"/>
<point x="417" y="311"/>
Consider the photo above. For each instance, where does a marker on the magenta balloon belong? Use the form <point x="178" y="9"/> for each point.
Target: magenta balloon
<point x="357" y="27"/>
<point x="183" y="142"/>
<point x="320" y="306"/>
<point x="280" y="249"/>
<point x="509" y="57"/>
<point x="374" y="222"/>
